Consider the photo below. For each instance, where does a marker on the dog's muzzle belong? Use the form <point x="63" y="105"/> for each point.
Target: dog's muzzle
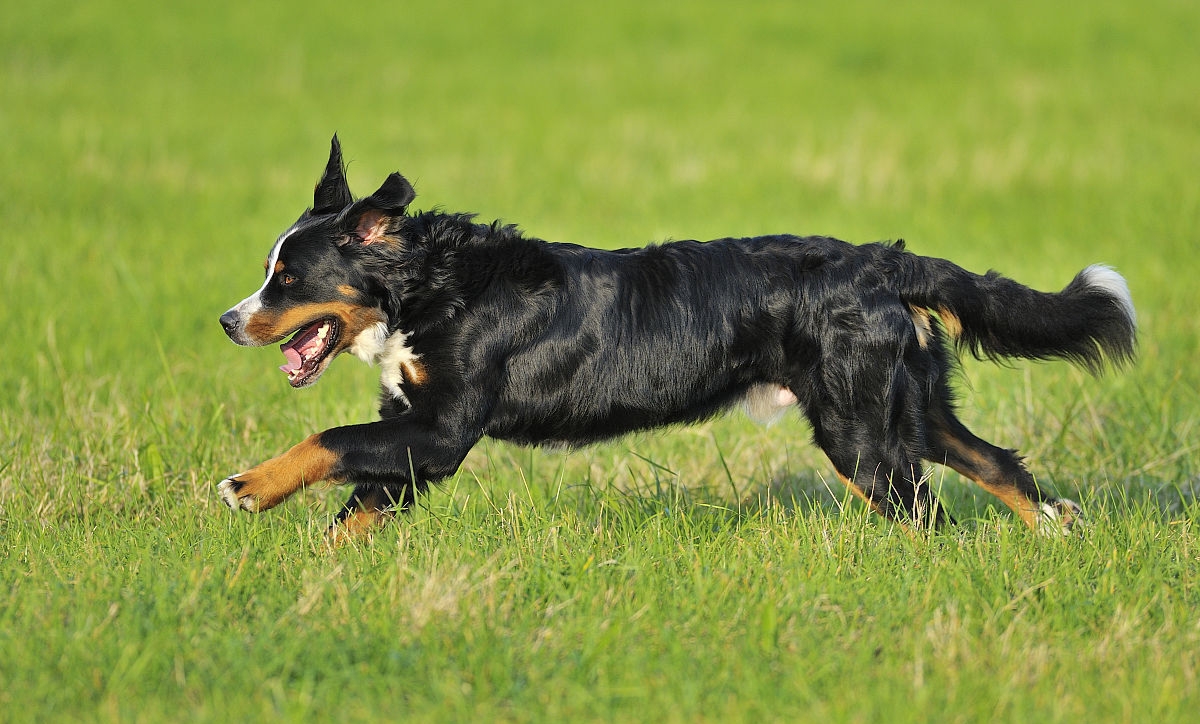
<point x="234" y="324"/>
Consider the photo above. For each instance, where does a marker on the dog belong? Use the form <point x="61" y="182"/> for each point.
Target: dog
<point x="479" y="330"/>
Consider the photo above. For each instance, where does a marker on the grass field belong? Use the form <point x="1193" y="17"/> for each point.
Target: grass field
<point x="718" y="573"/>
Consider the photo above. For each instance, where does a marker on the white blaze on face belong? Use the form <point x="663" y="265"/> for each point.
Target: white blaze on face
<point x="253" y="303"/>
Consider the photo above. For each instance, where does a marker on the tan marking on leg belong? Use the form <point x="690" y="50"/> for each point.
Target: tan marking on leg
<point x="908" y="529"/>
<point x="973" y="465"/>
<point x="356" y="526"/>
<point x="861" y="495"/>
<point x="1027" y="510"/>
<point x="270" y="483"/>
<point x="920" y="318"/>
<point x="1059" y="517"/>
<point x="364" y="521"/>
<point x="370" y="511"/>
<point x="951" y="322"/>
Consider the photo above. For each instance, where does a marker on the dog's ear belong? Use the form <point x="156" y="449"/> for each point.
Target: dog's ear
<point x="369" y="220"/>
<point x="332" y="193"/>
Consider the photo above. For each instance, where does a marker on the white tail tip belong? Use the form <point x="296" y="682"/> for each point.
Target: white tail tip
<point x="1105" y="278"/>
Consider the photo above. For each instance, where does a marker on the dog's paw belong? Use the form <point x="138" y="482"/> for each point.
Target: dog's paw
<point x="1060" y="517"/>
<point x="252" y="490"/>
<point x="233" y="493"/>
<point x="270" y="483"/>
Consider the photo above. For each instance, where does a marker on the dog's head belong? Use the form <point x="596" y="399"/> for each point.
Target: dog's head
<point x="320" y="288"/>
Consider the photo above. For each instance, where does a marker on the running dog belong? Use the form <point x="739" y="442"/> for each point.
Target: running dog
<point x="481" y="330"/>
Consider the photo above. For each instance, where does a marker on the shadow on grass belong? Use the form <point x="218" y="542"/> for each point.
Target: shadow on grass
<point x="811" y="494"/>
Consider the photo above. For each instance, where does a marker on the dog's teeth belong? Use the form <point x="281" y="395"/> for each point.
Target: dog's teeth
<point x="324" y="330"/>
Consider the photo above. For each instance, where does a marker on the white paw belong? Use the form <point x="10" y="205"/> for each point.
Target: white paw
<point x="1059" y="517"/>
<point x="228" y="489"/>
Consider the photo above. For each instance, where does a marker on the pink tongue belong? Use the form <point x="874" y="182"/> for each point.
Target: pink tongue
<point x="293" y="358"/>
<point x="305" y="343"/>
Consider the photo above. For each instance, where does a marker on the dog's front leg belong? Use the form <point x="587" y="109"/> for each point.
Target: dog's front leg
<point x="390" y="460"/>
<point x="269" y="484"/>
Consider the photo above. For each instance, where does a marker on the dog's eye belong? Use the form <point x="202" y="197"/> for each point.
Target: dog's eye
<point x="287" y="279"/>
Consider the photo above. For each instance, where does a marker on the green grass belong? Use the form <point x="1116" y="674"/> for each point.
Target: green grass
<point x="152" y="154"/>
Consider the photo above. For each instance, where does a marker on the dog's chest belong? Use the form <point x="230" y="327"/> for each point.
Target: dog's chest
<point x="396" y="359"/>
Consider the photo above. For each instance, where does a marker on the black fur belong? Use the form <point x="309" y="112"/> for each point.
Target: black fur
<point x="542" y="343"/>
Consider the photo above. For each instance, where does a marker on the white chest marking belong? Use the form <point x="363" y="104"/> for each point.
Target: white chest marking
<point x="368" y="345"/>
<point x="391" y="352"/>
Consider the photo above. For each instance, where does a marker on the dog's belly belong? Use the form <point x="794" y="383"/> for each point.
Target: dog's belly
<point x="562" y="423"/>
<point x="766" y="402"/>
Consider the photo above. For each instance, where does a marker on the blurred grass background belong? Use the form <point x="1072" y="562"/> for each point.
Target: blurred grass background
<point x="152" y="152"/>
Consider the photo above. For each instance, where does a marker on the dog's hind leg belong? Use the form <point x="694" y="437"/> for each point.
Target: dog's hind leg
<point x="880" y="472"/>
<point x="893" y="487"/>
<point x="865" y="399"/>
<point x="996" y="470"/>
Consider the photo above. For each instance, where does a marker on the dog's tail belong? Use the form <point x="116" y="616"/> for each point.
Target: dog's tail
<point x="1090" y="321"/>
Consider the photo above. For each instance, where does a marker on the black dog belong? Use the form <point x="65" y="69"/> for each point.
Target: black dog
<point x="479" y="330"/>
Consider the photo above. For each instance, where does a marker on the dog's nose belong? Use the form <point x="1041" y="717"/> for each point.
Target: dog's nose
<point x="229" y="320"/>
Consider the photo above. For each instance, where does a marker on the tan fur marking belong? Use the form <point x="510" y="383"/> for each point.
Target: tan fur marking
<point x="920" y="318"/>
<point x="1025" y="508"/>
<point x="356" y="526"/>
<point x="371" y="510"/>
<point x="363" y="520"/>
<point x="951" y="322"/>
<point x="347" y="291"/>
<point x="414" y="372"/>
<point x="908" y="529"/>
<point x="265" y="327"/>
<point x="278" y="267"/>
<point x="272" y="482"/>
<point x="973" y="465"/>
<point x="859" y="492"/>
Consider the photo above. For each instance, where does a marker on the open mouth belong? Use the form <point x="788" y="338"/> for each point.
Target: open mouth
<point x="308" y="351"/>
